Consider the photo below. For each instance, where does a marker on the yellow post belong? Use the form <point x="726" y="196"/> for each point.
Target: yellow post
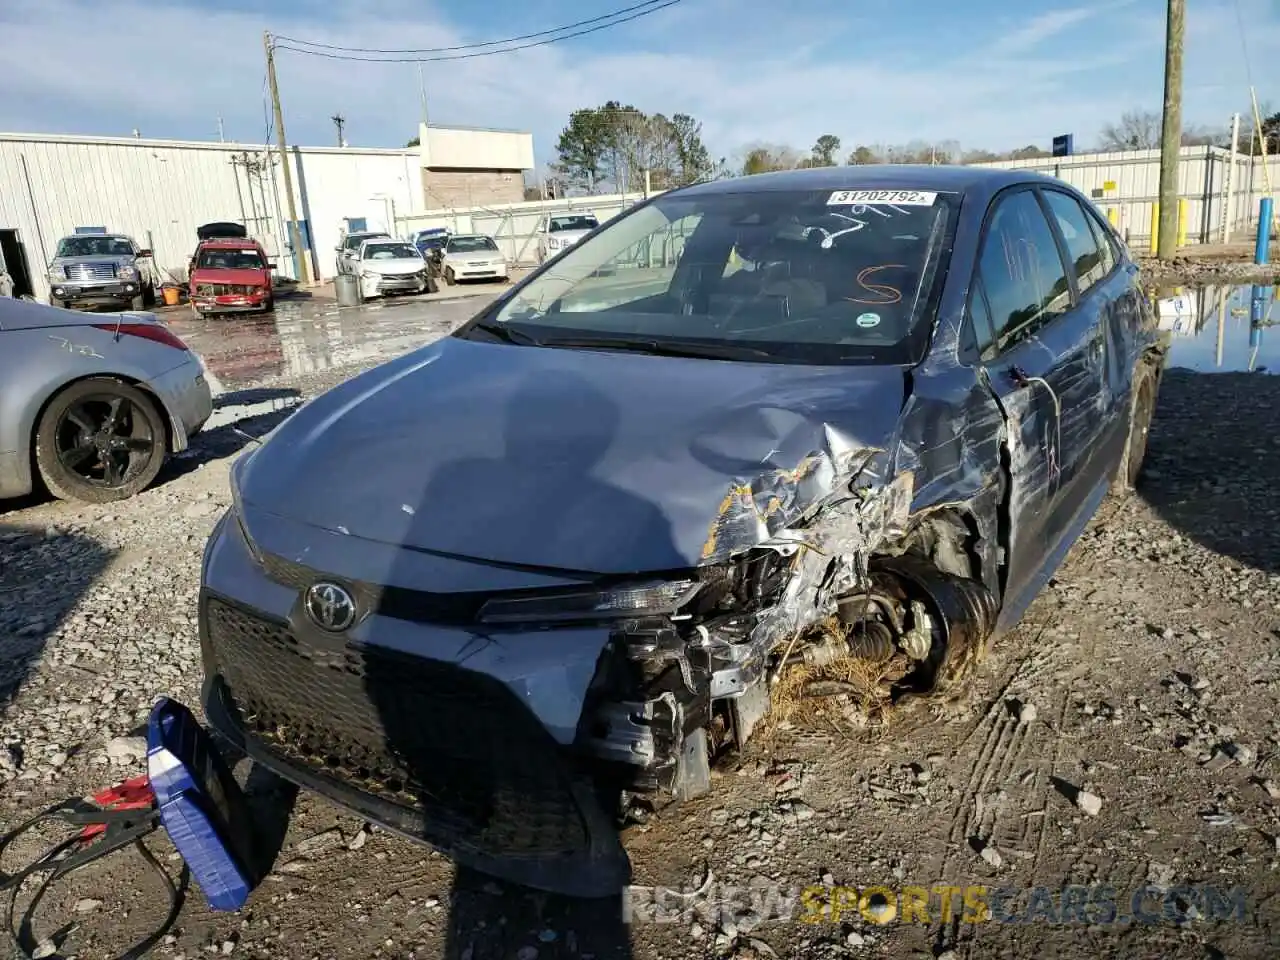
<point x="1113" y="215"/>
<point x="1182" y="222"/>
<point x="1155" y="226"/>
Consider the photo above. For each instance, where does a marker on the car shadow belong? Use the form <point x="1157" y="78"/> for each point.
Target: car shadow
<point x="1213" y="463"/>
<point x="46" y="572"/>
<point x="469" y="749"/>
<point x="254" y="413"/>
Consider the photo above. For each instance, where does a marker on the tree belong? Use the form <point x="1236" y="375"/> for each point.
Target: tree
<point x="695" y="161"/>
<point x="766" y="158"/>
<point x="1137" y="130"/>
<point x="413" y="142"/>
<point x="1029" y="152"/>
<point x="862" y="155"/>
<point x="583" y="145"/>
<point x="824" y="151"/>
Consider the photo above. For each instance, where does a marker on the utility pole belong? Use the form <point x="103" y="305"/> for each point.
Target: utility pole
<point x="295" y="235"/>
<point x="1171" y="131"/>
<point x="422" y="92"/>
<point x="221" y="137"/>
<point x="1229" y="203"/>
<point x="338" y="120"/>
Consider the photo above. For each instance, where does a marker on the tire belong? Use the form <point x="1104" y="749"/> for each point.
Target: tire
<point x="1135" y="448"/>
<point x="269" y="306"/>
<point x="100" y="440"/>
<point x="197" y="312"/>
<point x="148" y="296"/>
<point x="139" y="302"/>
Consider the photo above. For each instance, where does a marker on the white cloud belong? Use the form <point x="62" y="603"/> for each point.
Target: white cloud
<point x="171" y="70"/>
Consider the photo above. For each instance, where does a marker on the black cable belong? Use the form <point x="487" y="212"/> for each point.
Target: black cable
<point x="472" y="46"/>
<point x="482" y="53"/>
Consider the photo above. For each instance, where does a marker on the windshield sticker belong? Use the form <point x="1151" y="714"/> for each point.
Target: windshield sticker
<point x="868" y="320"/>
<point x="901" y="198"/>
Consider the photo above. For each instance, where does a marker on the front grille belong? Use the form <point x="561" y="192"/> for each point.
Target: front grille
<point x="225" y="289"/>
<point x="454" y="747"/>
<point x="90" y="271"/>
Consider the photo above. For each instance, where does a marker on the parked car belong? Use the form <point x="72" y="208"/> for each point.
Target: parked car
<point x="90" y="406"/>
<point x="561" y="231"/>
<point x="472" y="257"/>
<point x="855" y="428"/>
<point x="230" y="276"/>
<point x="430" y="238"/>
<point x="389" y="266"/>
<point x="101" y="268"/>
<point x="350" y="246"/>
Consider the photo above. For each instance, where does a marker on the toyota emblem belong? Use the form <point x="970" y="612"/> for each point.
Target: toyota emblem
<point x="330" y="606"/>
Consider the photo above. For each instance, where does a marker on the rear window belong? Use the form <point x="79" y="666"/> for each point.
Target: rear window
<point x="215" y="259"/>
<point x="578" y="222"/>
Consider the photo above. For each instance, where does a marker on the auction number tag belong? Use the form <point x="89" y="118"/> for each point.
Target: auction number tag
<point x="898" y="198"/>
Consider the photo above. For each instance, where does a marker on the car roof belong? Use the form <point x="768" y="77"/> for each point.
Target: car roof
<point x="886" y="176"/>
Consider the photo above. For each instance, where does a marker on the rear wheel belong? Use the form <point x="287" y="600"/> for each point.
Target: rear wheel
<point x="100" y="440"/>
<point x="1135" y="450"/>
<point x="270" y="305"/>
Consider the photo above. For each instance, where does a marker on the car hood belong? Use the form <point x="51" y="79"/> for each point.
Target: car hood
<point x="253" y="278"/>
<point x="576" y="460"/>
<point x="405" y="265"/>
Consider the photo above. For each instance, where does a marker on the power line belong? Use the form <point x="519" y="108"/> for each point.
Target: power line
<point x="481" y="53"/>
<point x="474" y="46"/>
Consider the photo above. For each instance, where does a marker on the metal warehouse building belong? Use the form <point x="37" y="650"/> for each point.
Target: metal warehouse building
<point x="159" y="191"/>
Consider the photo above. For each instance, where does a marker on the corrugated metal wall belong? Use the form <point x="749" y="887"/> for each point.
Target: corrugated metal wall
<point x="1126" y="186"/>
<point x="514" y="226"/>
<point x="159" y="191"/>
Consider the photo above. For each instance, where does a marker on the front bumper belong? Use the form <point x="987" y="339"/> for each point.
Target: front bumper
<point x="388" y="722"/>
<point x="187" y="398"/>
<point x="465" y="272"/>
<point x="232" y="303"/>
<point x="378" y="286"/>
<point x="77" y="292"/>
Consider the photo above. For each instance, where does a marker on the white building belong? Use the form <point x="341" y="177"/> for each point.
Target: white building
<point x="159" y="191"/>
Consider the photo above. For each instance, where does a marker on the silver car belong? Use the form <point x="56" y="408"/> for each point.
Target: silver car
<point x="101" y="268"/>
<point x="91" y="405"/>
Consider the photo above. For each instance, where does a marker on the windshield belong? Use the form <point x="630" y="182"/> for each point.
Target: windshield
<point x="391" y="251"/>
<point x="230" y="260"/>
<point x="801" y="277"/>
<point x="471" y="245"/>
<point x="94" y="247"/>
<point x="580" y="222"/>
<point x="353" y="242"/>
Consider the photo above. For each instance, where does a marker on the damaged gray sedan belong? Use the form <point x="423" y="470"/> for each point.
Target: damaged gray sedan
<point x="814" y="424"/>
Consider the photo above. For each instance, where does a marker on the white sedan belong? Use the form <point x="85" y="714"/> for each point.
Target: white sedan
<point x="389" y="266"/>
<point x="473" y="257"/>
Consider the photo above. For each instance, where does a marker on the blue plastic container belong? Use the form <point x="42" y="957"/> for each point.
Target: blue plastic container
<point x="201" y="806"/>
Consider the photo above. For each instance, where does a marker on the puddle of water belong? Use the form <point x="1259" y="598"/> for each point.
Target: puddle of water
<point x="1224" y="329"/>
<point x="299" y="339"/>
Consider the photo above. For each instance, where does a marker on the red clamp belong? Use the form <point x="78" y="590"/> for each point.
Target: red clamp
<point x="132" y="794"/>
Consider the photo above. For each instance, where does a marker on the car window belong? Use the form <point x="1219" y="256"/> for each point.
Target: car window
<point x="1106" y="242"/>
<point x="391" y="251"/>
<point x="802" y="276"/>
<point x="471" y="245"/>
<point x="1082" y="246"/>
<point x="95" y="246"/>
<point x="216" y="259"/>
<point x="1021" y="269"/>
<point x="577" y="222"/>
<point x="980" y="317"/>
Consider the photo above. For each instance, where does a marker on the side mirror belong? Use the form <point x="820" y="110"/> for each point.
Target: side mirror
<point x="144" y="253"/>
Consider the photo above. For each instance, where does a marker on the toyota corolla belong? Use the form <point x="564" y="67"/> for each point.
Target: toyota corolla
<point x="793" y="422"/>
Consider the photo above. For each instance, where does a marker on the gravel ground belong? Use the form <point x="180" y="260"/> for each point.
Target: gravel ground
<point x="1126" y="733"/>
<point x="1197" y="270"/>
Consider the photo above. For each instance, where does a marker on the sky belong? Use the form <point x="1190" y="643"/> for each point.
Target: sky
<point x="993" y="74"/>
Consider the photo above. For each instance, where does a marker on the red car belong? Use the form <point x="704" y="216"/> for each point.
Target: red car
<point x="230" y="274"/>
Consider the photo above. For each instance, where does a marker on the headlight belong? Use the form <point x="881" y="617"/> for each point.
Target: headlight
<point x="127" y="273"/>
<point x="624" y="600"/>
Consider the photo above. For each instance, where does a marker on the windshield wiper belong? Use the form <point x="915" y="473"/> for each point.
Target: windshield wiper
<point x="508" y="334"/>
<point x="664" y="348"/>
